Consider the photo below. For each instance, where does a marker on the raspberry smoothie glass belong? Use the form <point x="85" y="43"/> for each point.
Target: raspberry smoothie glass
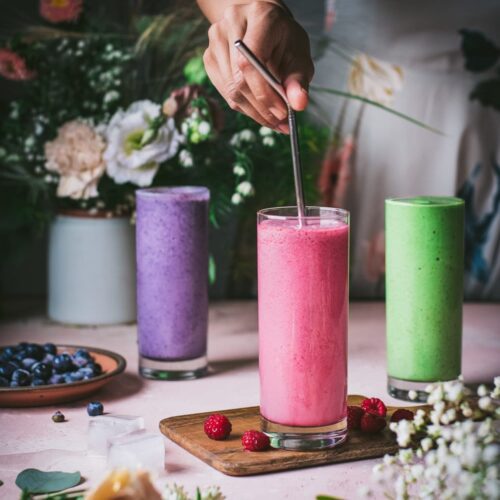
<point x="303" y="314"/>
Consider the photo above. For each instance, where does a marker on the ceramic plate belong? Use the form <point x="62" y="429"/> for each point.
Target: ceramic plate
<point x="112" y="365"/>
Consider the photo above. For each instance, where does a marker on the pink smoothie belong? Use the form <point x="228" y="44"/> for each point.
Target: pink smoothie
<point x="303" y="314"/>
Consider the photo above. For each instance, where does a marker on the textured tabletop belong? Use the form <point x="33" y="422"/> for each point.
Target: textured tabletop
<point x="29" y="438"/>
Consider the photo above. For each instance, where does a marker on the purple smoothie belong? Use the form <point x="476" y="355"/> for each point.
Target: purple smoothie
<point x="172" y="272"/>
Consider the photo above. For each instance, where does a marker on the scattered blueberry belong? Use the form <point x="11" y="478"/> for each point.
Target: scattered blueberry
<point x="96" y="368"/>
<point x="21" y="377"/>
<point x="38" y="381"/>
<point x="95" y="408"/>
<point x="35" y="351"/>
<point x="63" y="363"/>
<point x="28" y="363"/>
<point x="83" y="353"/>
<point x="6" y="370"/>
<point x="58" y="417"/>
<point x="50" y="348"/>
<point x="48" y="358"/>
<point x="4" y="382"/>
<point x="41" y="370"/>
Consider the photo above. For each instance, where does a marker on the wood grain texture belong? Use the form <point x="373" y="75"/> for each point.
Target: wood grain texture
<point x="229" y="457"/>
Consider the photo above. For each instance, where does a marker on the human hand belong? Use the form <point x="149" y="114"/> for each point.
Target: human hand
<point x="282" y="46"/>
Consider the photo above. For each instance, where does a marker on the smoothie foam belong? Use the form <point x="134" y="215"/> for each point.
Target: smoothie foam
<point x="303" y="314"/>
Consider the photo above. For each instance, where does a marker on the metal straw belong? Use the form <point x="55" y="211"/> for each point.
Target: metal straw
<point x="294" y="135"/>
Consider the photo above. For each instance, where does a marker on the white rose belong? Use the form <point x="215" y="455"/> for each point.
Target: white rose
<point x="374" y="79"/>
<point x="126" y="160"/>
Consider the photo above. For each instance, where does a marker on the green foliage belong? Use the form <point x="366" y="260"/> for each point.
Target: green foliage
<point x="194" y="71"/>
<point x="37" y="481"/>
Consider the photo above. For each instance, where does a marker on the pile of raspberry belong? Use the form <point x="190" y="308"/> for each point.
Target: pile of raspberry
<point x="370" y="417"/>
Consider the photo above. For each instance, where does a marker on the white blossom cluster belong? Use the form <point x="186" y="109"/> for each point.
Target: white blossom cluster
<point x="449" y="452"/>
<point x="244" y="136"/>
<point x="177" y="492"/>
<point x="197" y="127"/>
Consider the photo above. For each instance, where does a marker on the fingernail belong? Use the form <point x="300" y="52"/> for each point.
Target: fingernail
<point x="280" y="114"/>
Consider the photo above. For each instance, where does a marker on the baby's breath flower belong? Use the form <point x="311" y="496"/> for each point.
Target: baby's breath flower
<point x="186" y="158"/>
<point x="247" y="135"/>
<point x="238" y="170"/>
<point x="482" y="391"/>
<point x="236" y="199"/>
<point x="412" y="395"/>
<point x="265" y="131"/>
<point x="245" y="188"/>
<point x="204" y="128"/>
<point x="268" y="141"/>
<point x="485" y="403"/>
<point x="426" y="444"/>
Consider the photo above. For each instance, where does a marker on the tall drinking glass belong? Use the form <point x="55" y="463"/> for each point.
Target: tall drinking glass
<point x="303" y="314"/>
<point x="172" y="281"/>
<point x="424" y="290"/>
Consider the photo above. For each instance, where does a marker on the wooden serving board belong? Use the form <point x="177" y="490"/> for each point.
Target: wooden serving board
<point x="229" y="457"/>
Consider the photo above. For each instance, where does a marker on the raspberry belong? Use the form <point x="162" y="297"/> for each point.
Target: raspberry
<point x="372" y="423"/>
<point x="255" y="441"/>
<point x="354" y="414"/>
<point x="402" y="414"/>
<point x="217" y="427"/>
<point x="375" y="406"/>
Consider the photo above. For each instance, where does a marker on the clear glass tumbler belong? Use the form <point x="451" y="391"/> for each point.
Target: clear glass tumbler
<point x="303" y="291"/>
<point x="172" y="281"/>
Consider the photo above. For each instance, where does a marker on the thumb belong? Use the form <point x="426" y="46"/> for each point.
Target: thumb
<point x="296" y="87"/>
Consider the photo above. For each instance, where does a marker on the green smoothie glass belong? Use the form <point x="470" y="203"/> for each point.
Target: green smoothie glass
<point x="424" y="291"/>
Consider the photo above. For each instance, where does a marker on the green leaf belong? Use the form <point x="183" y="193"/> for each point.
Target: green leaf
<point x="212" y="270"/>
<point x="198" y="494"/>
<point x="327" y="497"/>
<point x="376" y="104"/>
<point x="37" y="481"/>
<point x="194" y="71"/>
<point x="487" y="93"/>
<point x="480" y="53"/>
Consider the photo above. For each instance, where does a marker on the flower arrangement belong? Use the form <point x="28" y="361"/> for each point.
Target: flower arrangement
<point x="101" y="115"/>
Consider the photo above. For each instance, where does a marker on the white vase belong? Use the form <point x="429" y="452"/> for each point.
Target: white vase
<point x="91" y="272"/>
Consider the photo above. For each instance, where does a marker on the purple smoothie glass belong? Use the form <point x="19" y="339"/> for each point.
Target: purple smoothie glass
<point x="172" y="281"/>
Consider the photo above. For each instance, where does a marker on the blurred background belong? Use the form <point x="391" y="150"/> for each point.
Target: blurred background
<point x="403" y="103"/>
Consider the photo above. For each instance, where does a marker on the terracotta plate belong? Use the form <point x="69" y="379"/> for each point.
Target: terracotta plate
<point x="112" y="364"/>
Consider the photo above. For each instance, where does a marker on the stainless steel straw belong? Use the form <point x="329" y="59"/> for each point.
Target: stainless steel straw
<point x="294" y="135"/>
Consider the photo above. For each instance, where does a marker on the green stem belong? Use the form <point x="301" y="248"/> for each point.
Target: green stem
<point x="377" y="105"/>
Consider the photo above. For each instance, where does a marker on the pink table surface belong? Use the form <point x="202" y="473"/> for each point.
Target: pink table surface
<point x="28" y="437"/>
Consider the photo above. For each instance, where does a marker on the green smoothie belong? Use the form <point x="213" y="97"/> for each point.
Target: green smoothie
<point x="424" y="287"/>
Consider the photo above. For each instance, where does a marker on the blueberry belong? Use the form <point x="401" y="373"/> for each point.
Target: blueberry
<point x="38" y="381"/>
<point x="13" y="384"/>
<point x="57" y="378"/>
<point x="48" y="358"/>
<point x="35" y="351"/>
<point x="96" y="368"/>
<point x="15" y="364"/>
<point x="95" y="408"/>
<point x="88" y="376"/>
<point x="63" y="363"/>
<point x="83" y="353"/>
<point x="80" y="362"/>
<point x="22" y="345"/>
<point x="9" y="352"/>
<point x="19" y="356"/>
<point x="21" y="377"/>
<point x="73" y="376"/>
<point x="41" y="370"/>
<point x="4" y="382"/>
<point x="58" y="417"/>
<point x="50" y="348"/>
<point x="6" y="370"/>
<point x="86" y="371"/>
<point x="28" y="363"/>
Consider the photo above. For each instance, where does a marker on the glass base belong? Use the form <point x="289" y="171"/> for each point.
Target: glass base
<point x="403" y="389"/>
<point x="187" y="369"/>
<point x="305" y="438"/>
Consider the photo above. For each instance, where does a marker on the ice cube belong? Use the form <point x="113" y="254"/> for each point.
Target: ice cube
<point x="137" y="450"/>
<point x="104" y="427"/>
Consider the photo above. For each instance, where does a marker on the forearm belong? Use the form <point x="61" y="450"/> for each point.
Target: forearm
<point x="214" y="9"/>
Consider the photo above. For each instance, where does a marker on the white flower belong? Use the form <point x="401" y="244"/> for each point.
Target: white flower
<point x="265" y="131"/>
<point x="426" y="444"/>
<point x="245" y="188"/>
<point x="490" y="453"/>
<point x="127" y="160"/>
<point x="111" y="96"/>
<point x="485" y="403"/>
<point x="236" y="199"/>
<point x="238" y="170"/>
<point x="212" y="493"/>
<point x="247" y="135"/>
<point x="482" y="391"/>
<point x="204" y="128"/>
<point x="186" y="158"/>
<point x="412" y="395"/>
<point x="268" y="141"/>
<point x="374" y="79"/>
<point x="175" y="492"/>
<point x="496" y="381"/>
